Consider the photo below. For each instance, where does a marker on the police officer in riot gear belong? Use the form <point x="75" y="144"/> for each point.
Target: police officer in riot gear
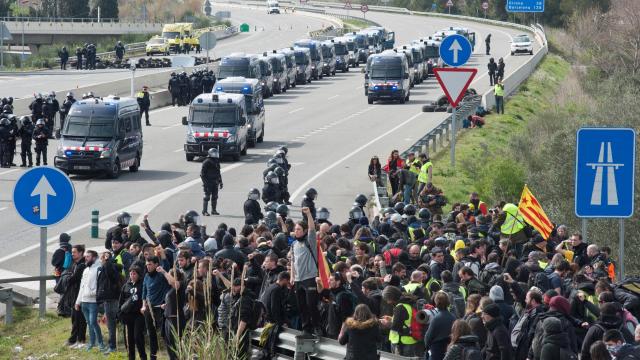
<point x="123" y="220"/>
<point x="26" y="134"/>
<point x="53" y="107"/>
<point x="64" y="110"/>
<point x="425" y="217"/>
<point x="271" y="206"/>
<point x="271" y="220"/>
<point x="183" y="85"/>
<point x="208" y="80"/>
<point x="271" y="188"/>
<point x="355" y="214"/>
<point x="282" y="179"/>
<point x="252" y="212"/>
<point x="36" y="107"/>
<point x="191" y="217"/>
<point x="174" y="89"/>
<point x="323" y="216"/>
<point x="361" y="200"/>
<point x="5" y="135"/>
<point x="283" y="211"/>
<point x="41" y="136"/>
<point x="13" y="126"/>
<point x="211" y="180"/>
<point x="308" y="201"/>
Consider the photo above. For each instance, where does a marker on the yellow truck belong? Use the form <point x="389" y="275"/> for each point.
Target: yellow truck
<point x="179" y="35"/>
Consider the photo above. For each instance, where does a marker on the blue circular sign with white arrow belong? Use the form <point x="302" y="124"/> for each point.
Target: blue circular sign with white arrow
<point x="44" y="196"/>
<point x="455" y="50"/>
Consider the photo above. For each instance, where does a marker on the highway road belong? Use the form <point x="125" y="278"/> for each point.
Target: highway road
<point x="330" y="130"/>
<point x="289" y="28"/>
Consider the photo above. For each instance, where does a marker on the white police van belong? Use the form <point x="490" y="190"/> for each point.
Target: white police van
<point x="252" y="91"/>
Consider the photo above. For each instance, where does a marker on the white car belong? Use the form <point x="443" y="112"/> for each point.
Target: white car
<point x="521" y="44"/>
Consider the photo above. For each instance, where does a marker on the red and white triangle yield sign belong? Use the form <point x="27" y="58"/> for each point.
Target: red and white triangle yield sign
<point x="454" y="82"/>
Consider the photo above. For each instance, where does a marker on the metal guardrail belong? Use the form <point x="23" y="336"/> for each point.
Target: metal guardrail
<point x="443" y="131"/>
<point x="291" y="341"/>
<point x="11" y="298"/>
<point x="73" y="20"/>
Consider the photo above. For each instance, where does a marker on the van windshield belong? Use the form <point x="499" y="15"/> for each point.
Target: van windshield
<point x="315" y="55"/>
<point x="340" y="49"/>
<point x="385" y="72"/>
<point x="301" y="59"/>
<point x="351" y="46"/>
<point x="219" y="116"/>
<point x="225" y="71"/>
<point x="276" y="65"/>
<point x="417" y="55"/>
<point x="170" y="34"/>
<point x="93" y="127"/>
<point x="433" y="52"/>
<point x="326" y="52"/>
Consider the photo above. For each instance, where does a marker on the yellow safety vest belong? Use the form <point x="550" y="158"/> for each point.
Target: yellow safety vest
<point x="414" y="168"/>
<point x="427" y="287"/>
<point x="423" y="177"/>
<point x="542" y="264"/>
<point x="499" y="90"/>
<point x="395" y="338"/>
<point x="513" y="222"/>
<point x="412" y="231"/>
<point x="118" y="260"/>
<point x="463" y="291"/>
<point x="140" y="95"/>
<point x="411" y="287"/>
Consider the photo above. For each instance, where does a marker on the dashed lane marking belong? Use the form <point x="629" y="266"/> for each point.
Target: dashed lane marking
<point x="296" y="110"/>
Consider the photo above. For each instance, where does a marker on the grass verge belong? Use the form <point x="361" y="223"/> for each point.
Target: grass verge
<point x="354" y="25"/>
<point x="484" y="157"/>
<point x="31" y="338"/>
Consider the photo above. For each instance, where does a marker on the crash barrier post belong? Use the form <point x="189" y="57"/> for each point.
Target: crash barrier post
<point x="11" y="298"/>
<point x="95" y="218"/>
<point x="323" y="348"/>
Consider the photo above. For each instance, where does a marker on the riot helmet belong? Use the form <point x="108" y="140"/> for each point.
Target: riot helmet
<point x="271" y="219"/>
<point x="424" y="214"/>
<point x="284" y="149"/>
<point x="271" y="206"/>
<point x="399" y="208"/>
<point x="279" y="171"/>
<point x="311" y="194"/>
<point x="361" y="199"/>
<point x="323" y="214"/>
<point x="272" y="178"/>
<point x="283" y="210"/>
<point x="4" y="122"/>
<point x="124" y="218"/>
<point x="191" y="217"/>
<point x="213" y="153"/>
<point x="254" y="194"/>
<point x="355" y="213"/>
<point x="40" y="122"/>
<point x="25" y="120"/>
<point x="409" y="210"/>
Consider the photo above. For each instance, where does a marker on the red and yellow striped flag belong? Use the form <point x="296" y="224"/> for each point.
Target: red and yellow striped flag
<point x="532" y="212"/>
<point x="323" y="267"/>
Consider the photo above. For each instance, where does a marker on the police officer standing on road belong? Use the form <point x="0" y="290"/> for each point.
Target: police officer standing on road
<point x="53" y="107"/>
<point x="41" y="136"/>
<point x="208" y="80"/>
<point x="13" y="126"/>
<point x="308" y="201"/>
<point x="252" y="212"/>
<point x="64" y="57"/>
<point x="5" y="136"/>
<point x="26" y="136"/>
<point x="183" y="82"/>
<point x="211" y="179"/>
<point x="36" y="107"/>
<point x="79" y="58"/>
<point x="91" y="56"/>
<point x="66" y="106"/>
<point x="492" y="67"/>
<point x="119" y="49"/>
<point x="144" y="101"/>
<point x="174" y="89"/>
<point x="487" y="42"/>
<point x="271" y="188"/>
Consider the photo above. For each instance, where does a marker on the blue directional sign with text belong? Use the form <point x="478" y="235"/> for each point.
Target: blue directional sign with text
<point x="605" y="168"/>
<point x="44" y="196"/>
<point x="455" y="50"/>
<point x="525" y="5"/>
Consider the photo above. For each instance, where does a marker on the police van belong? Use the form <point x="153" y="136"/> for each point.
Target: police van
<point x="292" y="69"/>
<point x="266" y="78"/>
<point x="316" y="56"/>
<point x="252" y="91"/>
<point x="388" y="77"/>
<point x="387" y="39"/>
<point x="217" y="120"/>
<point x="412" y="72"/>
<point x="419" y="64"/>
<point x="361" y="47"/>
<point x="248" y="66"/>
<point x="279" y="69"/>
<point x="329" y="58"/>
<point x="303" y="63"/>
<point x="101" y="135"/>
<point x="342" y="53"/>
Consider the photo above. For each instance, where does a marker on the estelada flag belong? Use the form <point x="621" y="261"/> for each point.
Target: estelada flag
<point x="532" y="212"/>
<point x="323" y="266"/>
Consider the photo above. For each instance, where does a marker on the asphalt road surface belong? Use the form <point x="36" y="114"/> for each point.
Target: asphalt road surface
<point x="330" y="130"/>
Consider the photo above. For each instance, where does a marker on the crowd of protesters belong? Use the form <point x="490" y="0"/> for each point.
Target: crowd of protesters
<point x="475" y="282"/>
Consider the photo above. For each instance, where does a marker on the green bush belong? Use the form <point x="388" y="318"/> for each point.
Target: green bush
<point x="501" y="179"/>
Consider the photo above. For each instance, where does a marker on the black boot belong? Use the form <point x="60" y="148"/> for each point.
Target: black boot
<point x="213" y="208"/>
<point x="24" y="161"/>
<point x="204" y="208"/>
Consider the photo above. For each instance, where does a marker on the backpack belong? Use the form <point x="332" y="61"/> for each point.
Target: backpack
<point x="471" y="354"/>
<point x="458" y="305"/>
<point x="540" y="280"/>
<point x="490" y="276"/>
<point x="416" y="329"/>
<point x="259" y="312"/>
<point x="567" y="354"/>
<point x="63" y="283"/>
<point x="335" y="316"/>
<point x="391" y="256"/>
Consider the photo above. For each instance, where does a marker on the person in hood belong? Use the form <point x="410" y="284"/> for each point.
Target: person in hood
<point x="506" y="311"/>
<point x="611" y="318"/>
<point x="559" y="308"/>
<point x="358" y="333"/>
<point x="618" y="348"/>
<point x="462" y="341"/>
<point x="498" y="346"/>
<point x="230" y="252"/>
<point x="61" y="258"/>
<point x="555" y="345"/>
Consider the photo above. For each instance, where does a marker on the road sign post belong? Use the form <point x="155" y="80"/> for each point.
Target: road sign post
<point x="449" y="5"/>
<point x="364" y="8"/>
<point x="485" y="6"/>
<point x="605" y="177"/>
<point x="208" y="41"/>
<point x="43" y="196"/>
<point x="455" y="50"/>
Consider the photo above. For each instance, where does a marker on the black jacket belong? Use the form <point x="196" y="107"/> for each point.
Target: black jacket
<point x="26" y="133"/>
<point x="275" y="302"/>
<point x="373" y="300"/>
<point x="210" y="172"/>
<point x="597" y="330"/>
<point x="68" y="299"/>
<point x="526" y="331"/>
<point x="131" y="295"/>
<point x="252" y="212"/>
<point x="64" y="55"/>
<point x="145" y="101"/>
<point x="229" y="252"/>
<point x="498" y="346"/>
<point x="271" y="192"/>
<point x="438" y="334"/>
<point x="108" y="282"/>
<point x="464" y="345"/>
<point x="360" y="338"/>
<point x="553" y="343"/>
<point x="36" y="109"/>
<point x="567" y="328"/>
<point x="41" y="136"/>
<point x="306" y="202"/>
<point x="492" y="67"/>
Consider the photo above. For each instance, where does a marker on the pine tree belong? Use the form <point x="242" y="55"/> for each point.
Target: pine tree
<point x="108" y="9"/>
<point x="74" y="8"/>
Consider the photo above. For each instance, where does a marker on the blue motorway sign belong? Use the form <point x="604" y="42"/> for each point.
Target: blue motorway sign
<point x="605" y="168"/>
<point x="455" y="50"/>
<point x="525" y="5"/>
<point x="44" y="196"/>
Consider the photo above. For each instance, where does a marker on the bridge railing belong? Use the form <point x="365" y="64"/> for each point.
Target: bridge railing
<point x="73" y="20"/>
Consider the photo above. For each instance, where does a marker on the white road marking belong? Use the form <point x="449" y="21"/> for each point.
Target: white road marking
<point x="172" y="126"/>
<point x="332" y="97"/>
<point x="161" y="109"/>
<point x="140" y="207"/>
<point x="3" y="208"/>
<point x="8" y="171"/>
<point x="181" y="149"/>
<point x="31" y="285"/>
<point x="296" y="110"/>
<point x="306" y="184"/>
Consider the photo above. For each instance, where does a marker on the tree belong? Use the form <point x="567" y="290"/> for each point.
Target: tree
<point x="108" y="9"/>
<point x="74" y="8"/>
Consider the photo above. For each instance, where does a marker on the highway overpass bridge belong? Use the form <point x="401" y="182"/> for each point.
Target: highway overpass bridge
<point x="47" y="31"/>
